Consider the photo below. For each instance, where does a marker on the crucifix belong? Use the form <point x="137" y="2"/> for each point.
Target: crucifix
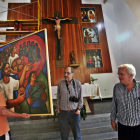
<point x="58" y="20"/>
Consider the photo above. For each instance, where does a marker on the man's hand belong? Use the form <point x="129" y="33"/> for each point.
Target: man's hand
<point x="27" y="67"/>
<point x="25" y="116"/>
<point x="114" y="125"/>
<point x="21" y="94"/>
<point x="77" y="112"/>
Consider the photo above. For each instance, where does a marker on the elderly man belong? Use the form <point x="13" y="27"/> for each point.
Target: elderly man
<point x="69" y="103"/>
<point x="126" y="104"/>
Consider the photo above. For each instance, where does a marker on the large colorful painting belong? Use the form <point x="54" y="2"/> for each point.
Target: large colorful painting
<point x="25" y="75"/>
<point x="88" y="15"/>
<point x="94" y="58"/>
<point x="91" y="35"/>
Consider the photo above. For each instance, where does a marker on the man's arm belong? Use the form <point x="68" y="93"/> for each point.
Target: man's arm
<point x="98" y="58"/>
<point x="14" y="28"/>
<point x="113" y="112"/>
<point x="50" y="18"/>
<point x="8" y="113"/>
<point x="17" y="101"/>
<point x="80" y="103"/>
<point x="23" y="75"/>
<point x="20" y="26"/>
<point x="58" y="99"/>
<point x="14" y="72"/>
<point x="114" y="125"/>
<point x="66" y="19"/>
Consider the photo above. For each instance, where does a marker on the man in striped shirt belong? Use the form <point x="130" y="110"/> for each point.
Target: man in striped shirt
<point x="126" y="104"/>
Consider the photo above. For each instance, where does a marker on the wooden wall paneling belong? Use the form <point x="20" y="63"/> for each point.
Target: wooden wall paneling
<point x="72" y="37"/>
<point x="50" y="8"/>
<point x="65" y="8"/>
<point x="57" y="5"/>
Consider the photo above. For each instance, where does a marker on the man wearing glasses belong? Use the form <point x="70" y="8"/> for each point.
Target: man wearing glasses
<point x="69" y="103"/>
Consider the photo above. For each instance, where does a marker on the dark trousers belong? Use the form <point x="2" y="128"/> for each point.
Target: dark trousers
<point x="4" y="138"/>
<point x="128" y="132"/>
<point x="69" y="118"/>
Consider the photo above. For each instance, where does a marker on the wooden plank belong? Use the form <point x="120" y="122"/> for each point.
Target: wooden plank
<point x="10" y="23"/>
<point x="15" y="32"/>
<point x="2" y="43"/>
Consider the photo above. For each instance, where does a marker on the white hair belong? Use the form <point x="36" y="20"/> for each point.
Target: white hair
<point x="130" y="69"/>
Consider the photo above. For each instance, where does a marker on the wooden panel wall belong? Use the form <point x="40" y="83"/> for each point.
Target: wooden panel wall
<point x="72" y="37"/>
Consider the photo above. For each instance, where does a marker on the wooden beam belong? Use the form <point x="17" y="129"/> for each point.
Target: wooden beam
<point x="2" y="43"/>
<point x="25" y="22"/>
<point x="15" y="32"/>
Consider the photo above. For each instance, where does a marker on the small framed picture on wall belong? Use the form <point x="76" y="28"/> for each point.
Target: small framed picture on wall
<point x="94" y="58"/>
<point x="91" y="35"/>
<point x="88" y="15"/>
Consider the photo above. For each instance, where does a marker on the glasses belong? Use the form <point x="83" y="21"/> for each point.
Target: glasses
<point x="68" y="73"/>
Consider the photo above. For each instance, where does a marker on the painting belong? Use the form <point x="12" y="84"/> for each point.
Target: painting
<point x="91" y="35"/>
<point x="88" y="15"/>
<point x="94" y="58"/>
<point x="25" y="75"/>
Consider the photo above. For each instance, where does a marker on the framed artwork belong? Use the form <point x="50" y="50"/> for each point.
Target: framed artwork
<point x="88" y="15"/>
<point x="25" y="75"/>
<point x="94" y="58"/>
<point x="91" y="35"/>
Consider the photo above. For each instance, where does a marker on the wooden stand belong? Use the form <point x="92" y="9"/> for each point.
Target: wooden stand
<point x="74" y="65"/>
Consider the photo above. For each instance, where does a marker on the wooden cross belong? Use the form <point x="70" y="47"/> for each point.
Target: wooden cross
<point x="58" y="39"/>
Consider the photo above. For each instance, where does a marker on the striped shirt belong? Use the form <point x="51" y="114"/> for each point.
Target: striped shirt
<point x="126" y="105"/>
<point x="63" y="95"/>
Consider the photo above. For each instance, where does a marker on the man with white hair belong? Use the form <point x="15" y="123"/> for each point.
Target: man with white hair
<point x="126" y="104"/>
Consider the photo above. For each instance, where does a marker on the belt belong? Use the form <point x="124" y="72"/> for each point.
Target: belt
<point x="67" y="110"/>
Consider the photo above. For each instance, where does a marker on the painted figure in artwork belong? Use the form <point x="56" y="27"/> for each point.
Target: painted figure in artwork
<point x="9" y="84"/>
<point x="84" y="16"/>
<point x="90" y="61"/>
<point x="35" y="95"/>
<point x="97" y="60"/>
<point x="91" y="16"/>
<point x="57" y="26"/>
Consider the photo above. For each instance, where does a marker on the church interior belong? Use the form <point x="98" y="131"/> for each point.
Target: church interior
<point x="108" y="41"/>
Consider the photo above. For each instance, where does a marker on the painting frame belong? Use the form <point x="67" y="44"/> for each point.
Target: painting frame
<point x="34" y="58"/>
<point x="91" y="35"/>
<point x="94" y="60"/>
<point x="88" y="15"/>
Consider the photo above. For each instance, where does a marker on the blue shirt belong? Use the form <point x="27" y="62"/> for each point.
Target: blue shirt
<point x="126" y="105"/>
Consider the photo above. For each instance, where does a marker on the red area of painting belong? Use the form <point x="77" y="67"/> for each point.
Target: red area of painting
<point x="37" y="66"/>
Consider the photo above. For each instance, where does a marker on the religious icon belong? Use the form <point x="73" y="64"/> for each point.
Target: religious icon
<point x="72" y="58"/>
<point x="24" y="63"/>
<point x="91" y="35"/>
<point x="88" y="15"/>
<point x="57" y="28"/>
<point x="94" y="58"/>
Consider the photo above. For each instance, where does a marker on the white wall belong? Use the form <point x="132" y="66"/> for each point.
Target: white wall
<point x="123" y="34"/>
<point x="129" y="34"/>
<point x="107" y="81"/>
